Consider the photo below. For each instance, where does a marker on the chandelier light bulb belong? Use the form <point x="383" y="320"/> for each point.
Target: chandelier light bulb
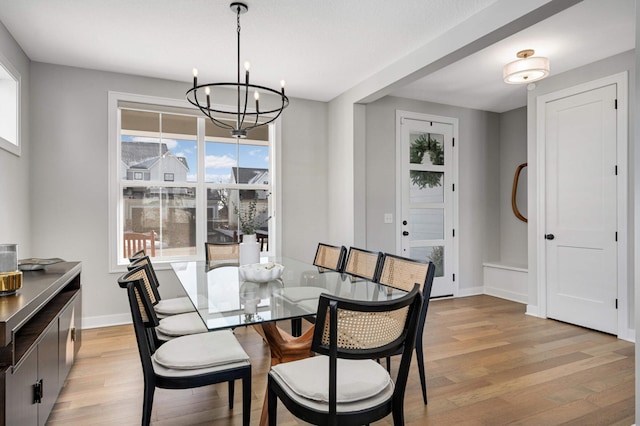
<point x="195" y="72"/>
<point x="207" y="91"/>
<point x="247" y="65"/>
<point x="256" y="95"/>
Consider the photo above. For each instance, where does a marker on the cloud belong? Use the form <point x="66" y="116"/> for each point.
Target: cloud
<point x="255" y="152"/>
<point x="213" y="178"/>
<point x="219" y="162"/>
<point x="171" y="143"/>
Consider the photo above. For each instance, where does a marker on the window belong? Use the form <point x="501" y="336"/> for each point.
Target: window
<point x="9" y="107"/>
<point x="184" y="179"/>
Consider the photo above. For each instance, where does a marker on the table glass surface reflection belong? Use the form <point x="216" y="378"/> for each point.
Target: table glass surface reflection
<point x="224" y="300"/>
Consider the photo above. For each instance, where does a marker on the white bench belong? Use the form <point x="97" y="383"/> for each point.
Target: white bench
<point x="506" y="280"/>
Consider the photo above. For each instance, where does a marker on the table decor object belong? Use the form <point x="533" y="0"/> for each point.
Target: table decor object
<point x="36" y="263"/>
<point x="261" y="272"/>
<point x="10" y="276"/>
<point x="249" y="250"/>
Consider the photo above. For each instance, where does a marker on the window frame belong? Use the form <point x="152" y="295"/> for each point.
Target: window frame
<point x="14" y="101"/>
<point x="116" y="204"/>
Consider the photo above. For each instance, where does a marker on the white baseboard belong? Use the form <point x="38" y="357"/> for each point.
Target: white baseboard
<point x="628" y="334"/>
<point x="105" y="321"/>
<point x="534" y="311"/>
<point x="505" y="280"/>
<point x="506" y="294"/>
<point x="471" y="291"/>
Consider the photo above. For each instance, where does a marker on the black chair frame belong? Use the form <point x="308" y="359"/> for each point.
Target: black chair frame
<point x="328" y="307"/>
<point x="341" y="259"/>
<point x="426" y="294"/>
<point x="145" y="328"/>
<point x="296" y="323"/>
<point x="137" y="255"/>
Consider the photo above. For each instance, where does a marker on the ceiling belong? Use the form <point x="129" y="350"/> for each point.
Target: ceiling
<point x="321" y="48"/>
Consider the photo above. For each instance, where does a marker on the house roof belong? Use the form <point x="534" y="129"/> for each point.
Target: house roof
<point x="143" y="155"/>
<point x="250" y="175"/>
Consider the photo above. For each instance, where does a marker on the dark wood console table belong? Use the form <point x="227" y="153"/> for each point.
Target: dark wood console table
<point x="39" y="340"/>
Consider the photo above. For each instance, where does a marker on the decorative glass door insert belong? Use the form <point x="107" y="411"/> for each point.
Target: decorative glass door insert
<point x="426" y="222"/>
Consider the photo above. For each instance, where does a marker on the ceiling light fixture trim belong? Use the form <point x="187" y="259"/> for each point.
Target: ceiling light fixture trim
<point x="527" y="69"/>
<point x="246" y="118"/>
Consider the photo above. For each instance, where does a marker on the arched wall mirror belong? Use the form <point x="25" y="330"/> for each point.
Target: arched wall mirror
<point x="519" y="192"/>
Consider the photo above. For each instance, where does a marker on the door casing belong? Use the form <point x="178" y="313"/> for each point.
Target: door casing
<point x="440" y="119"/>
<point x="622" y="201"/>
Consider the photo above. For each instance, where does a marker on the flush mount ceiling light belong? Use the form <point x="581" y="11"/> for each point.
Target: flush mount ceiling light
<point x="241" y="118"/>
<point x="527" y="69"/>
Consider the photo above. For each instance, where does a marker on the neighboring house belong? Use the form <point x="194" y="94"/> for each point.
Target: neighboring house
<point x="152" y="161"/>
<point x="250" y="175"/>
<point x="221" y="217"/>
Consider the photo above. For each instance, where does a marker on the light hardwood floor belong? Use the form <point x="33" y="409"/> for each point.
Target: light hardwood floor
<point x="487" y="363"/>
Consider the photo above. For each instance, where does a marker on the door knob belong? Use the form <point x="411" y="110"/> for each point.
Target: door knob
<point x="549" y="236"/>
<point x="405" y="233"/>
<point x="404" y="222"/>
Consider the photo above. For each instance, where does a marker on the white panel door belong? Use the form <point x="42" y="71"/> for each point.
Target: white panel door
<point x="581" y="224"/>
<point x="427" y="198"/>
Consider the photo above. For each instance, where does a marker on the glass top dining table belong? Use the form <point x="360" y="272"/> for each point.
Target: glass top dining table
<point x="225" y="300"/>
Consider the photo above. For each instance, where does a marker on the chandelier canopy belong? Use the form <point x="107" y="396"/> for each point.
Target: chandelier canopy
<point x="242" y="118"/>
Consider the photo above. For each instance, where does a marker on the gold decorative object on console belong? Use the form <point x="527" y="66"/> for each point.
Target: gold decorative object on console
<point x="10" y="282"/>
<point x="10" y="276"/>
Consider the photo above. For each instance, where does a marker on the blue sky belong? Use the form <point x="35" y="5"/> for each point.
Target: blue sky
<point x="220" y="157"/>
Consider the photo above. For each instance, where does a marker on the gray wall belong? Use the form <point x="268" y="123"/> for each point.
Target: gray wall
<point x="14" y="171"/>
<point x="70" y="173"/>
<point x="513" y="152"/>
<point x="478" y="185"/>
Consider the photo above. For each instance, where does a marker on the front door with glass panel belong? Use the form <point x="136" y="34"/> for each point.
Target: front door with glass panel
<point x="426" y="221"/>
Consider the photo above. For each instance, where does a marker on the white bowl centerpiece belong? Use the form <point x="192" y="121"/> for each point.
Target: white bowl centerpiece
<point x="261" y="272"/>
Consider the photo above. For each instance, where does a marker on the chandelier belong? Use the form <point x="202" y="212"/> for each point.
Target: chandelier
<point x="243" y="118"/>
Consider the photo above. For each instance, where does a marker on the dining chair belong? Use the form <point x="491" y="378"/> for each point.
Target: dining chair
<point x="136" y="241"/>
<point x="164" y="307"/>
<point x="263" y="239"/>
<point x="403" y="273"/>
<point x="330" y="257"/>
<point x="343" y="384"/>
<point x="221" y="252"/>
<point x="364" y="264"/>
<point x="185" y="362"/>
<point x="171" y="326"/>
<point x="137" y="255"/>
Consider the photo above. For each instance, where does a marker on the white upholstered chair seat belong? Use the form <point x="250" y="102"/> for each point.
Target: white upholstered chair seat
<point x="174" y="372"/>
<point x="178" y="305"/>
<point x="205" y="351"/>
<point x="361" y="384"/>
<point x="181" y="325"/>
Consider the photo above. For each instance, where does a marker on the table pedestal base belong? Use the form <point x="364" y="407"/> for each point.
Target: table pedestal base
<point x="284" y="348"/>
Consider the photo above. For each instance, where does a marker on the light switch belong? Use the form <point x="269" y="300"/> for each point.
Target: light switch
<point x="388" y="218"/>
